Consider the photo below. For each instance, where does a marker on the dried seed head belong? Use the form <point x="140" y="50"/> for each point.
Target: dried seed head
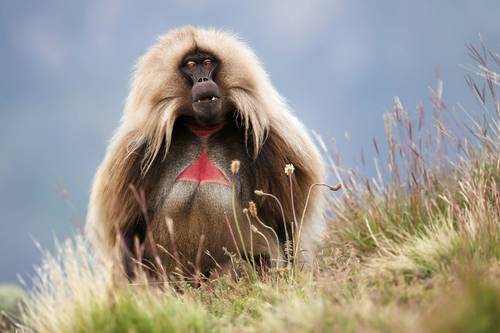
<point x="235" y="167"/>
<point x="252" y="208"/>
<point x="254" y="229"/>
<point x="289" y="169"/>
<point x="336" y="187"/>
<point x="245" y="210"/>
<point x="258" y="192"/>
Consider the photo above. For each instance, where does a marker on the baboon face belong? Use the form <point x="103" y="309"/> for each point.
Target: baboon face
<point x="208" y="106"/>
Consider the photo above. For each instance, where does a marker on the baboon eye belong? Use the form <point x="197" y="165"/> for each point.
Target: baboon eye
<point x="190" y="64"/>
<point x="207" y="62"/>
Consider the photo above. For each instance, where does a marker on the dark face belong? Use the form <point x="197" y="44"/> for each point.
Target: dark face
<point x="200" y="70"/>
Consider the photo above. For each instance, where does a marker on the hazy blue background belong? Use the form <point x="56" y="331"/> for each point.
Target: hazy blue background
<point x="65" y="66"/>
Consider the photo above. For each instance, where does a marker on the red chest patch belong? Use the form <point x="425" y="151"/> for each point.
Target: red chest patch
<point x="203" y="170"/>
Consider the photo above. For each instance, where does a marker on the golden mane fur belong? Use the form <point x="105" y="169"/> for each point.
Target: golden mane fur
<point x="273" y="134"/>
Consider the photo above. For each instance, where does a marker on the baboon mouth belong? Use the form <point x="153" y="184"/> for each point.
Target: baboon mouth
<point x="207" y="109"/>
<point x="207" y="99"/>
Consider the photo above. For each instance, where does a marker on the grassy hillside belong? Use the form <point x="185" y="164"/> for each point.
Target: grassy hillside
<point x="415" y="249"/>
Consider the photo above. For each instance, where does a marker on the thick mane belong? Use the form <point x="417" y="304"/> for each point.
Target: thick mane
<point x="155" y="99"/>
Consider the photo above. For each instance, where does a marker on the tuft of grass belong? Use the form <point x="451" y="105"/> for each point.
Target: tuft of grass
<point x="414" y="249"/>
<point x="473" y="308"/>
<point x="141" y="312"/>
<point x="11" y="298"/>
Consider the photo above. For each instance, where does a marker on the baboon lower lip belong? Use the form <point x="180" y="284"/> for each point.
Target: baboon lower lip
<point x="206" y="99"/>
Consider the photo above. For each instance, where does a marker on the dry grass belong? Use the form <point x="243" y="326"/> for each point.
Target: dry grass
<point x="416" y="248"/>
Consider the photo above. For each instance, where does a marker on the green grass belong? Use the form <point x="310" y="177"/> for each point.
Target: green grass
<point x="126" y="314"/>
<point x="416" y="249"/>
<point x="475" y="308"/>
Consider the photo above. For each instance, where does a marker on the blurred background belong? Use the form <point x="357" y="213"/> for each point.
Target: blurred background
<point x="65" y="68"/>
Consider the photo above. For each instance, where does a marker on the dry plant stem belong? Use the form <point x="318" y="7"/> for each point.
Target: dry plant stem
<point x="292" y="201"/>
<point x="148" y="265"/>
<point x="141" y="267"/>
<point x="238" y="225"/>
<point x="235" y="245"/>
<point x="287" y="238"/>
<point x="197" y="273"/>
<point x="271" y="230"/>
<point x="232" y="235"/>
<point x="251" y="242"/>
<point x="231" y="258"/>
<point x="332" y="188"/>
<point x="173" y="257"/>
<point x="170" y="229"/>
<point x="11" y="320"/>
<point x="287" y="248"/>
<point x="295" y="228"/>
<point x="269" y="249"/>
<point x="259" y="233"/>
<point x="213" y="259"/>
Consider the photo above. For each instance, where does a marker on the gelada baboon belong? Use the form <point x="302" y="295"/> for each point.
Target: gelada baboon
<point x="199" y="99"/>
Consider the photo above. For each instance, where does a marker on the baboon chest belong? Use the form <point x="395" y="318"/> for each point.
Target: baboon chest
<point x="195" y="186"/>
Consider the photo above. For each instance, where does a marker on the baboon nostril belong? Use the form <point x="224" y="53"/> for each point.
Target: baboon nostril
<point x="205" y="79"/>
<point x="200" y="80"/>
